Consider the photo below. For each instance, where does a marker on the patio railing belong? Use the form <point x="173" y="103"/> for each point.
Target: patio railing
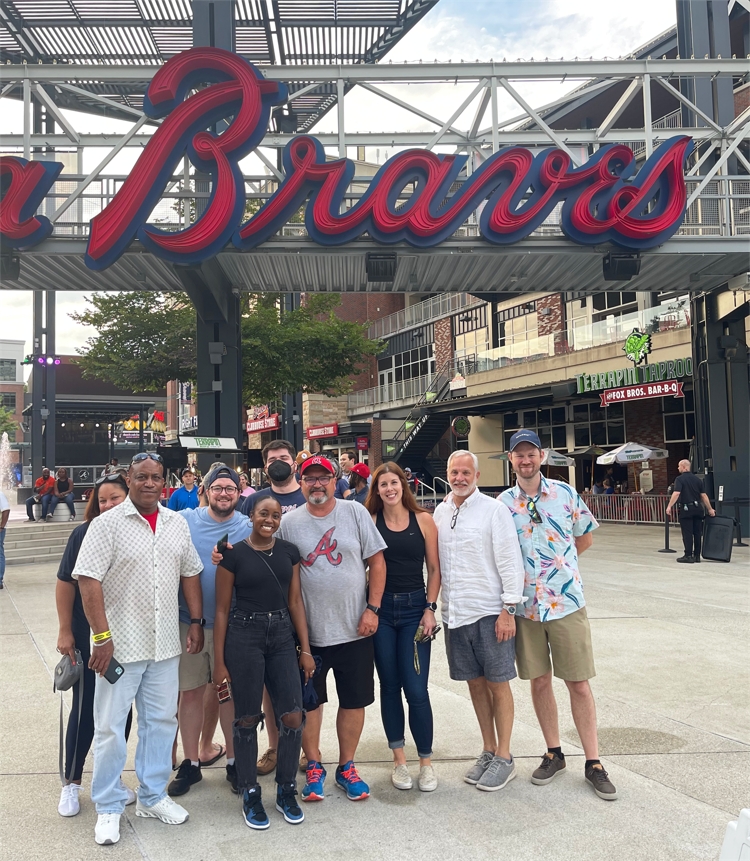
<point x="629" y="508"/>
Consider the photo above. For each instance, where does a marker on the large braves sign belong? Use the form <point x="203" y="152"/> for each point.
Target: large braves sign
<point x="604" y="200"/>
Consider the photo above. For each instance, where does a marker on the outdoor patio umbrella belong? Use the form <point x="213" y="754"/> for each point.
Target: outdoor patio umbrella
<point x="632" y="452"/>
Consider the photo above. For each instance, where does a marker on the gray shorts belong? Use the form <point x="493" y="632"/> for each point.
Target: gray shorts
<point x="473" y="651"/>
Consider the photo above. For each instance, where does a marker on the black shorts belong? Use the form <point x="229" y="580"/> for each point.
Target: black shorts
<point x="353" y="666"/>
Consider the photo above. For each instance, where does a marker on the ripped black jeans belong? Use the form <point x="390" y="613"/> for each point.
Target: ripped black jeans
<point x="260" y="650"/>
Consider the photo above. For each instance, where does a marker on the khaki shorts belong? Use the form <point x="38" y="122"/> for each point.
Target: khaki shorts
<point x="196" y="670"/>
<point x="568" y="640"/>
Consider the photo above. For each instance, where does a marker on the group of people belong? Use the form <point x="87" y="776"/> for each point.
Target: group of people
<point x="49" y="492"/>
<point x="236" y="612"/>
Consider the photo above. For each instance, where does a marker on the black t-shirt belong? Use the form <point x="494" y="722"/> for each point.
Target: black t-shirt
<point x="65" y="572"/>
<point x="287" y="501"/>
<point x="255" y="588"/>
<point x="690" y="488"/>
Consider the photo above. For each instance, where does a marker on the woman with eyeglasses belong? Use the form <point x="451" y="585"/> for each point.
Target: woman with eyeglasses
<point x="403" y="664"/>
<point x="109" y="491"/>
<point x="259" y="608"/>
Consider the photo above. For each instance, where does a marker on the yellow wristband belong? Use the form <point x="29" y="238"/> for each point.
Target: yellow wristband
<point x="105" y="635"/>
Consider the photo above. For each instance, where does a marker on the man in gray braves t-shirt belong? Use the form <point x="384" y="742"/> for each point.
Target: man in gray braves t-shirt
<point x="337" y="540"/>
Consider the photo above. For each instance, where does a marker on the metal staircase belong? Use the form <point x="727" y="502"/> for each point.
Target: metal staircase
<point x="422" y="428"/>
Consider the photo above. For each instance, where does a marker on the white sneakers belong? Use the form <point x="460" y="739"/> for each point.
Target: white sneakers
<point x="427" y="781"/>
<point x="107" y="829"/>
<point x="401" y="778"/>
<point x="69" y="804"/>
<point x="166" y="810"/>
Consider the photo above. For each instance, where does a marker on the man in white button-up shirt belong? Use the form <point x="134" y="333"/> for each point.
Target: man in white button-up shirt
<point x="129" y="569"/>
<point x="482" y="575"/>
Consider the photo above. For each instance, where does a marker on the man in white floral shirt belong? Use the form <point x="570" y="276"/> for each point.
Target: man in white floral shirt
<point x="554" y="527"/>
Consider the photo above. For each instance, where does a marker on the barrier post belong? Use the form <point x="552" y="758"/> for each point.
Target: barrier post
<point x="666" y="536"/>
<point x="737" y="525"/>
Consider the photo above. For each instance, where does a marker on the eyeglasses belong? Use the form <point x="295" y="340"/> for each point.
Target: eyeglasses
<point x="534" y="514"/>
<point x="119" y="475"/>
<point x="454" y="518"/>
<point x="310" y="480"/>
<point x="218" y="491"/>
<point x="147" y="455"/>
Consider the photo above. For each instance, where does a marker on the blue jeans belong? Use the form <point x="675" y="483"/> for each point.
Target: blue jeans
<point x="67" y="499"/>
<point x="2" y="554"/>
<point x="31" y="502"/>
<point x="153" y="685"/>
<point x="400" y="615"/>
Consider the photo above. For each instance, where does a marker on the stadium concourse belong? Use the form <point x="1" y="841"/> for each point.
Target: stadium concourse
<point x="674" y="729"/>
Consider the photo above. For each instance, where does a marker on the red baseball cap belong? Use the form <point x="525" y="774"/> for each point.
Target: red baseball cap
<point x="361" y="469"/>
<point x="317" y="460"/>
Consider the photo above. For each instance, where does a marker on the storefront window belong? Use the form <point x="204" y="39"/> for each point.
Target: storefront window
<point x="471" y="334"/>
<point x="408" y="365"/>
<point x="516" y="325"/>
<point x="549" y="424"/>
<point x="7" y="370"/>
<point x="679" y="418"/>
<point x="597" y="425"/>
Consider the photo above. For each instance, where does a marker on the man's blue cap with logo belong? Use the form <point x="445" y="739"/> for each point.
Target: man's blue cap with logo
<point x="524" y="436"/>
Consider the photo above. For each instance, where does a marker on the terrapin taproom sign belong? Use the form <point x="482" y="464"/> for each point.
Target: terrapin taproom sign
<point x="603" y="200"/>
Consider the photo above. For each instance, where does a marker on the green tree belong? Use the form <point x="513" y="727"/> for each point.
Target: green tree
<point x="8" y="424"/>
<point x="145" y="339"/>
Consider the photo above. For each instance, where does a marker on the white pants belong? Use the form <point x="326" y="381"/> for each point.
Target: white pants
<point x="153" y="685"/>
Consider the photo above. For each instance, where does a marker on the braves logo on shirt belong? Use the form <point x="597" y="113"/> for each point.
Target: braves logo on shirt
<point x="326" y="547"/>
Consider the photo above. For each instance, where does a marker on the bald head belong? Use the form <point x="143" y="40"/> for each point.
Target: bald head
<point x="684" y="466"/>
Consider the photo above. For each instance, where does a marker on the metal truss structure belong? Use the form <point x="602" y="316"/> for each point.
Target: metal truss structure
<point x="144" y="33"/>
<point x="711" y="245"/>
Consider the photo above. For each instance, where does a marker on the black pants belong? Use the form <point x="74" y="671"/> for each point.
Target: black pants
<point x="692" y="533"/>
<point x="260" y="650"/>
<point x="83" y="732"/>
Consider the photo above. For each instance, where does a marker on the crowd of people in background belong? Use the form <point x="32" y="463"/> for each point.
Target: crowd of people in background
<point x="233" y="605"/>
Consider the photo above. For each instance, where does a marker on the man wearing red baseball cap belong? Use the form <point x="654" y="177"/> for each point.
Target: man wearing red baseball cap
<point x="336" y="541"/>
<point x="358" y="476"/>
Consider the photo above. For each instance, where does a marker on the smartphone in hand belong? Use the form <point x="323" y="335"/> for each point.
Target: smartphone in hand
<point x="114" y="671"/>
<point x="224" y="692"/>
<point x="221" y="545"/>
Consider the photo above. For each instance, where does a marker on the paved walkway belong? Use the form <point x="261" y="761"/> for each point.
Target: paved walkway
<point x="671" y="644"/>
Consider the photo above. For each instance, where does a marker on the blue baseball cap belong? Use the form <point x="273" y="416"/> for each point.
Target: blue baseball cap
<point x="524" y="436"/>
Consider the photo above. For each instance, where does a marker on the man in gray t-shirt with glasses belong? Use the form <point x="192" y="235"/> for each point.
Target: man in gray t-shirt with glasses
<point x="337" y="540"/>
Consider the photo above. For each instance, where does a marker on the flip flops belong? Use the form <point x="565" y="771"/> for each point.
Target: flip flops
<point x="206" y="763"/>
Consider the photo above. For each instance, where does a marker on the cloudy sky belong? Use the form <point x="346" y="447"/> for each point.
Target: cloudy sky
<point x="454" y="30"/>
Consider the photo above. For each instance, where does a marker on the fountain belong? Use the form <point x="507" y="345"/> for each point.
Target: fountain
<point x="7" y="478"/>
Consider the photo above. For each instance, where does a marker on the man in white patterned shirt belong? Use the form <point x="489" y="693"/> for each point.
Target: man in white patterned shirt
<point x="130" y="567"/>
<point x="482" y="581"/>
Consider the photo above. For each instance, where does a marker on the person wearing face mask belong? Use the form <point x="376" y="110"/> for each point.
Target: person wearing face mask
<point x="281" y="468"/>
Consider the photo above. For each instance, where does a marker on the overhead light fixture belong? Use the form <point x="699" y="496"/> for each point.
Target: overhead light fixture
<point x="620" y="267"/>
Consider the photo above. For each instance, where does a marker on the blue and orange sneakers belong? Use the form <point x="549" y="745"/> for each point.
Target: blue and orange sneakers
<point x="315" y="778"/>
<point x="352" y="784"/>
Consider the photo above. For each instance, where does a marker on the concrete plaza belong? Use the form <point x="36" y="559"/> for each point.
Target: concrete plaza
<point x="673" y="660"/>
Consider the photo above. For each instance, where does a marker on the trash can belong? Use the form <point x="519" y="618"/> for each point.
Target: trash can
<point x="718" y="533"/>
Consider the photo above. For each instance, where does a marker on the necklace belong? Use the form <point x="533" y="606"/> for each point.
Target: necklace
<point x="260" y="549"/>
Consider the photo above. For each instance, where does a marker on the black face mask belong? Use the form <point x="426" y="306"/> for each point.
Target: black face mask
<point x="278" y="471"/>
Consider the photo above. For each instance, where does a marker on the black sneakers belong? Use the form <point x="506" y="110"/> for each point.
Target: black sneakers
<point x="187" y="775"/>
<point x="599" y="779"/>
<point x="232" y="778"/>
<point x="550" y="766"/>
<point x="686" y="559"/>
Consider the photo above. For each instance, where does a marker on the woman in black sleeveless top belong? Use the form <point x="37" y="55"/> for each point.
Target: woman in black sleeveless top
<point x="63" y="492"/>
<point x="411" y="536"/>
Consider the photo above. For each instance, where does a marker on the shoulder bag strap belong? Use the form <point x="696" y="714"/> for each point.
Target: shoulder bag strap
<point x="78" y="732"/>
<point x="273" y="573"/>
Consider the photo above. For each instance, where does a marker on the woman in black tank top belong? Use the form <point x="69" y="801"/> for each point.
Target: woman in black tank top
<point x="63" y="492"/>
<point x="402" y="665"/>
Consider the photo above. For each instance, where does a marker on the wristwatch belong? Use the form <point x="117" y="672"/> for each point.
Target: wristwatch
<point x="510" y="609"/>
<point x="201" y="622"/>
<point x="375" y="610"/>
<point x="431" y="605"/>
